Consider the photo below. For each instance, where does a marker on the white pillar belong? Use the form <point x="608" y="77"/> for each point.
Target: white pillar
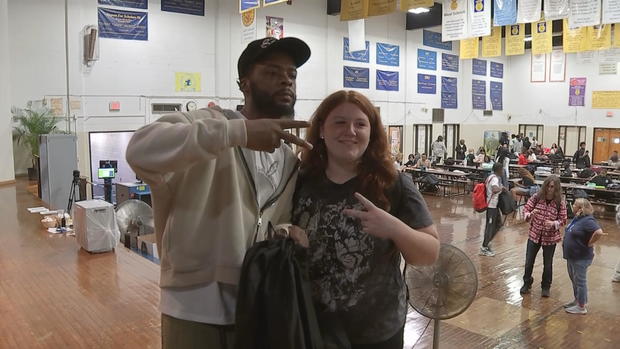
<point x="7" y="172"/>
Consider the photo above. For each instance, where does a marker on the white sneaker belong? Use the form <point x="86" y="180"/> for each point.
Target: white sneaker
<point x="576" y="309"/>
<point x="485" y="251"/>
<point x="569" y="305"/>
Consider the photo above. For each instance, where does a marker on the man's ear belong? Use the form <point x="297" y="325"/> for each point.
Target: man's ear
<point x="244" y="85"/>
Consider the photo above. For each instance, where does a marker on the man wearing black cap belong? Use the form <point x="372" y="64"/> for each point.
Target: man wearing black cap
<point x="218" y="178"/>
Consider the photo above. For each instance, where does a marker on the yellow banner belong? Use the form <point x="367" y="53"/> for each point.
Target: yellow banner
<point x="353" y="9"/>
<point x="409" y="4"/>
<point x="617" y="35"/>
<point x="515" y="39"/>
<point x="599" y="38"/>
<point x="541" y="37"/>
<point x="381" y="7"/>
<point x="469" y="48"/>
<point x="606" y="99"/>
<point x="187" y="82"/>
<point x="492" y="44"/>
<point x="573" y="40"/>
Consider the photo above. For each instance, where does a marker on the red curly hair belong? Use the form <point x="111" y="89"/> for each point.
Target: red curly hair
<point x="376" y="170"/>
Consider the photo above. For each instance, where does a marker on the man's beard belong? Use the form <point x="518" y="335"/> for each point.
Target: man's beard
<point x="268" y="108"/>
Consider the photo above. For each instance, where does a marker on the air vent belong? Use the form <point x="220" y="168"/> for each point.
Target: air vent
<point x="438" y="116"/>
<point x="487" y="113"/>
<point x="165" y="108"/>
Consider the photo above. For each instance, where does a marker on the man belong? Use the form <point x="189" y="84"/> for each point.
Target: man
<point x="218" y="180"/>
<point x="494" y="218"/>
<point x="579" y="158"/>
<point x="513" y="142"/>
<point x="503" y="157"/>
<point x="518" y="144"/>
<point x="438" y="149"/>
<point x="613" y="159"/>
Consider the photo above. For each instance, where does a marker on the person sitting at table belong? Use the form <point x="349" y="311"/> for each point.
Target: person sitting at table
<point x="480" y="150"/>
<point x="522" y="157"/>
<point x="480" y="157"/>
<point x="527" y="187"/>
<point x="601" y="179"/>
<point x="567" y="172"/>
<point x="531" y="157"/>
<point x="553" y="149"/>
<point x="412" y="159"/>
<point x="423" y="162"/>
<point x="613" y="159"/>
<point x="487" y="164"/>
<point x="471" y="158"/>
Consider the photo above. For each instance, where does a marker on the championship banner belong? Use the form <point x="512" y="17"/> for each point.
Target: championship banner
<point x="388" y="54"/>
<point x="479" y="67"/>
<point x="454" y="20"/>
<point x="479" y="94"/>
<point x="469" y="48"/>
<point x="479" y="17"/>
<point x="427" y="84"/>
<point x="577" y="92"/>
<point x="387" y="80"/>
<point x="573" y="40"/>
<point x="272" y="2"/>
<point x="381" y="7"/>
<point x="353" y="9"/>
<point x="611" y="11"/>
<point x="528" y="11"/>
<point x="406" y="5"/>
<point x="356" y="77"/>
<point x="505" y="12"/>
<point x="248" y="27"/>
<point x="126" y="25"/>
<point x="495" y="90"/>
<point x="141" y="4"/>
<point x="427" y="59"/>
<point x="433" y="39"/>
<point x="247" y="5"/>
<point x="449" y="62"/>
<point x="598" y="38"/>
<point x="515" y="39"/>
<point x="556" y="9"/>
<point x="492" y="44"/>
<point x="356" y="56"/>
<point x="449" y="95"/>
<point x="497" y="70"/>
<point x="188" y="7"/>
<point x="617" y="35"/>
<point x="542" y="39"/>
<point x="584" y="13"/>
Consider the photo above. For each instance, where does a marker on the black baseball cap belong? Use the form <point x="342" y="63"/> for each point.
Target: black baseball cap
<point x="257" y="49"/>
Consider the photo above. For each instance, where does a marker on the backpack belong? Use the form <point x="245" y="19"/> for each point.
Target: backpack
<point x="479" y="196"/>
<point x="586" y="173"/>
<point x="429" y="183"/>
<point x="449" y="161"/>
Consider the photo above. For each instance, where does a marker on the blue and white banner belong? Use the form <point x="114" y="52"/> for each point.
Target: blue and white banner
<point x="504" y="12"/>
<point x="427" y="84"/>
<point x="388" y="54"/>
<point x="387" y="80"/>
<point x="246" y="5"/>
<point x="272" y="2"/>
<point x="497" y="70"/>
<point x="449" y="62"/>
<point x="356" y="56"/>
<point x="188" y="7"/>
<point x="356" y="77"/>
<point x="478" y="94"/>
<point x="496" y="95"/>
<point x="126" y="25"/>
<point x="449" y="93"/>
<point x="433" y="39"/>
<point x="142" y="4"/>
<point x="427" y="59"/>
<point x="479" y="67"/>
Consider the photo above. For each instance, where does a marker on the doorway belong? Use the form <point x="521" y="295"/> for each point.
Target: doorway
<point x="422" y="138"/>
<point x="452" y="134"/>
<point x="606" y="140"/>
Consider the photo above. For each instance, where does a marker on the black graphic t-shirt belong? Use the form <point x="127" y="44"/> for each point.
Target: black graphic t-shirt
<point x="355" y="274"/>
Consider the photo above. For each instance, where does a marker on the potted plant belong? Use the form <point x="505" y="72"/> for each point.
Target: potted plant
<point x="32" y="123"/>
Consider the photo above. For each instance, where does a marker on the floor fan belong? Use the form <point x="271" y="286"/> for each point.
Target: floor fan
<point x="443" y="290"/>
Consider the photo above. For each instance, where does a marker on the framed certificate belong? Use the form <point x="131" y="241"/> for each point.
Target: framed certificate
<point x="557" y="67"/>
<point x="538" y="68"/>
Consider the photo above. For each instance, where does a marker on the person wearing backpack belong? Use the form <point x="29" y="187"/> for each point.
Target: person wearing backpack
<point x="494" y="187"/>
<point x="546" y="212"/>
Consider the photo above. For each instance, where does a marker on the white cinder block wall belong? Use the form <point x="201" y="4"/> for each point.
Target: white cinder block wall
<point x="137" y="73"/>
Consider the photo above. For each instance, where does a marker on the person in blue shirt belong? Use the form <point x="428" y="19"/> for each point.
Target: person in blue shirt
<point x="580" y="236"/>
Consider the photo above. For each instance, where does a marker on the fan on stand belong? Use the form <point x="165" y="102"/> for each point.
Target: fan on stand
<point x="134" y="218"/>
<point x="443" y="290"/>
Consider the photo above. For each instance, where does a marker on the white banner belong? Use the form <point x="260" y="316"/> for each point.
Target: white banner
<point x="480" y="18"/>
<point x="584" y="13"/>
<point x="611" y="12"/>
<point x="454" y="20"/>
<point x="528" y="11"/>
<point x="556" y="9"/>
<point x="557" y="67"/>
<point x="357" y="35"/>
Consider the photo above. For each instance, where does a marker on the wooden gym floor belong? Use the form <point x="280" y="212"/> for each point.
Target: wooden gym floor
<point x="54" y="295"/>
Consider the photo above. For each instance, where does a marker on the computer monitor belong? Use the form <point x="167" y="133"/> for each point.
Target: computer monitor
<point x="106" y="173"/>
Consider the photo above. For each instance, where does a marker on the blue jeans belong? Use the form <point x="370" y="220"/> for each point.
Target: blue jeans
<point x="577" y="269"/>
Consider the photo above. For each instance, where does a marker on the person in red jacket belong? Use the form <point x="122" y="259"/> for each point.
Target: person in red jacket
<point x="523" y="157"/>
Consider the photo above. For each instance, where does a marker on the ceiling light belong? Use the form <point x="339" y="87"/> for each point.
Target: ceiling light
<point x="419" y="10"/>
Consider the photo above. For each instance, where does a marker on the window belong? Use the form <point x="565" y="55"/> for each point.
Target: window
<point x="452" y="134"/>
<point x="422" y="138"/>
<point x="532" y="131"/>
<point x="569" y="137"/>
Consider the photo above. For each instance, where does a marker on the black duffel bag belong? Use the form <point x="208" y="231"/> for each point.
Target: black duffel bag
<point x="506" y="203"/>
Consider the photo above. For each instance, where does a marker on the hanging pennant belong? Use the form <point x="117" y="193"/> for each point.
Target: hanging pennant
<point x="272" y="2"/>
<point x="492" y="44"/>
<point x="248" y="5"/>
<point x="528" y="11"/>
<point x="598" y="38"/>
<point x="556" y="9"/>
<point x="541" y="37"/>
<point x="454" y="20"/>
<point x="469" y="48"/>
<point x="353" y="9"/>
<point x="617" y="35"/>
<point x="381" y="7"/>
<point x="406" y="5"/>
<point x="573" y="40"/>
<point x="611" y="11"/>
<point x="584" y="13"/>
<point x="505" y="12"/>
<point x="479" y="17"/>
<point x="515" y="39"/>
